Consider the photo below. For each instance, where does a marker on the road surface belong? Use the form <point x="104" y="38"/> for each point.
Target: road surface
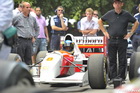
<point x="73" y="88"/>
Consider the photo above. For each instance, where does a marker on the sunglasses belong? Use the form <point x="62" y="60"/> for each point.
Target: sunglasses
<point x="27" y="7"/>
<point x="95" y="14"/>
<point x="60" y="10"/>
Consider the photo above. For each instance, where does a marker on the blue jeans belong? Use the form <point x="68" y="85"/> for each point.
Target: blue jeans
<point x="117" y="46"/>
<point x="40" y="45"/>
<point x="135" y="42"/>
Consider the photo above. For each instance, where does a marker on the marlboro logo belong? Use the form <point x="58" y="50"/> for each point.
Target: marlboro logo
<point x="87" y="40"/>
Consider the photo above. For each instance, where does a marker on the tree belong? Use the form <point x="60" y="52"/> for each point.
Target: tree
<point x="75" y="8"/>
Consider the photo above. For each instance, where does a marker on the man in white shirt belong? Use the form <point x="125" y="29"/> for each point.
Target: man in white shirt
<point x="17" y="10"/>
<point x="89" y="24"/>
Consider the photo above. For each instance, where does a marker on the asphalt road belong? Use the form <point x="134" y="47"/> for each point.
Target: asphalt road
<point x="73" y="88"/>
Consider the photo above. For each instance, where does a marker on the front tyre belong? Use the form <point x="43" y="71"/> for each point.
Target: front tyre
<point x="97" y="71"/>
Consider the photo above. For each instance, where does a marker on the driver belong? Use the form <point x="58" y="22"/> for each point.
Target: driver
<point x="68" y="46"/>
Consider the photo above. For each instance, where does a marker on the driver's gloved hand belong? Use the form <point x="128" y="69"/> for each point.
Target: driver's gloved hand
<point x="10" y="36"/>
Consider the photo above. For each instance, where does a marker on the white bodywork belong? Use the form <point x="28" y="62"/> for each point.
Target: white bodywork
<point x="50" y="67"/>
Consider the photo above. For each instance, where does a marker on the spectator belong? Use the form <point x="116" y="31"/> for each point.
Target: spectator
<point x="117" y="35"/>
<point x="17" y="10"/>
<point x="59" y="27"/>
<point x="135" y="8"/>
<point x="27" y="31"/>
<point x="136" y="36"/>
<point x="89" y="25"/>
<point x="42" y="40"/>
<point x="79" y="23"/>
<point x="6" y="16"/>
<point x="95" y="14"/>
<point x="32" y="12"/>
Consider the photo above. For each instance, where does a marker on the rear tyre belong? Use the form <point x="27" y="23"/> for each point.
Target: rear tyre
<point x="97" y="71"/>
<point x="134" y="65"/>
<point x="14" y="57"/>
<point x="41" y="55"/>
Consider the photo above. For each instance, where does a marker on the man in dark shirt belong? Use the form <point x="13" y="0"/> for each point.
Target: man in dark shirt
<point x="117" y="35"/>
<point x="59" y="25"/>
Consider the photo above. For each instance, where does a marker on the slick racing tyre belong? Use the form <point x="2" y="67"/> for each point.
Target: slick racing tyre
<point x="134" y="65"/>
<point x="108" y="68"/>
<point x="14" y="57"/>
<point x="97" y="71"/>
<point x="41" y="55"/>
<point x="14" y="74"/>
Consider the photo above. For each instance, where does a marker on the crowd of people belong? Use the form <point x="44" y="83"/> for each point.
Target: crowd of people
<point x="33" y="35"/>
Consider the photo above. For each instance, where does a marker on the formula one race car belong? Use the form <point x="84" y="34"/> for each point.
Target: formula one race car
<point x="69" y="65"/>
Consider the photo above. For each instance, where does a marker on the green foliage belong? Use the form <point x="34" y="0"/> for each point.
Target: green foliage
<point x="75" y="8"/>
<point x="128" y="5"/>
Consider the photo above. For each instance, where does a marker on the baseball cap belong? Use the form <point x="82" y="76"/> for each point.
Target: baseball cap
<point x="118" y="0"/>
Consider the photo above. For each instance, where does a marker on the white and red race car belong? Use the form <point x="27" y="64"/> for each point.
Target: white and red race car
<point x="84" y="68"/>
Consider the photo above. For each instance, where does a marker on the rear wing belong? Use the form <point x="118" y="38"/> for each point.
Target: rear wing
<point x="87" y="43"/>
